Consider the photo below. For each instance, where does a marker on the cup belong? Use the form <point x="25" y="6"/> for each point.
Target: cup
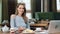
<point x="12" y="31"/>
<point x="38" y="29"/>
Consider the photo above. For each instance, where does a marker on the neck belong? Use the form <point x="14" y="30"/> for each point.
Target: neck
<point x="19" y="15"/>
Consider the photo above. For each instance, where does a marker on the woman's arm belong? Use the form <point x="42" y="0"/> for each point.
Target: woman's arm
<point x="12" y="24"/>
<point x="28" y="25"/>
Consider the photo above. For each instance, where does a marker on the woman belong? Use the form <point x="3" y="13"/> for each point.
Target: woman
<point x="19" y="19"/>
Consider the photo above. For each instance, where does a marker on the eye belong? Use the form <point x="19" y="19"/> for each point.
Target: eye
<point x="22" y="8"/>
<point x="19" y="8"/>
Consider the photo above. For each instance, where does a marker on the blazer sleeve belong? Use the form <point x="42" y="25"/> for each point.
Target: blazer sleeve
<point x="12" y="23"/>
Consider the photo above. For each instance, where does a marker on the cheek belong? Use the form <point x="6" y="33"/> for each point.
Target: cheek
<point x="18" y="9"/>
<point x="21" y="10"/>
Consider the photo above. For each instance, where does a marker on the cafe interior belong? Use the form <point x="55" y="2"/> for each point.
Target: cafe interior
<point x="43" y="16"/>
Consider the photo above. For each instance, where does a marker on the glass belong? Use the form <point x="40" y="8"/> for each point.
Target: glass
<point x="5" y="22"/>
<point x="12" y="31"/>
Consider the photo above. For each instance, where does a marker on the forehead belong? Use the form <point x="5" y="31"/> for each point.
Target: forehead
<point x="21" y="6"/>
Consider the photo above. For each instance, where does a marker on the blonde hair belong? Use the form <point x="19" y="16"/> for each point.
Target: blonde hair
<point x="18" y="6"/>
<point x="24" y="13"/>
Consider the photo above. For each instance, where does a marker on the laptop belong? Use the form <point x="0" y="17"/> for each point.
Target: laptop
<point x="54" y="26"/>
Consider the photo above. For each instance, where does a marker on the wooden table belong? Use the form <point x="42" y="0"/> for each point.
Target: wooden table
<point x="55" y="33"/>
<point x="39" y="25"/>
<point x="49" y="33"/>
<point x="3" y="33"/>
<point x="34" y="26"/>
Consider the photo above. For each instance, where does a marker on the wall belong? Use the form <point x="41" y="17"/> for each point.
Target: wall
<point x="5" y="9"/>
<point x="52" y="6"/>
<point x="0" y="10"/>
<point x="11" y="7"/>
<point x="33" y="7"/>
<point x="0" y="13"/>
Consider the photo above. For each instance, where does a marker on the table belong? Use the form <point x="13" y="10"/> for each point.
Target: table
<point x="2" y="32"/>
<point x="37" y="33"/>
<point x="39" y="25"/>
<point x="34" y="26"/>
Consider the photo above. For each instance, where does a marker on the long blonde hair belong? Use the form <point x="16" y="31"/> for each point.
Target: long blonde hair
<point x="24" y="14"/>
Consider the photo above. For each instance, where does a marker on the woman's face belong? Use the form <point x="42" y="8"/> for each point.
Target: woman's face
<point x="20" y="9"/>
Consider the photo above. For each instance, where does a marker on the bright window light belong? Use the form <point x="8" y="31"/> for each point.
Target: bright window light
<point x="27" y="3"/>
<point x="58" y="4"/>
<point x="29" y="15"/>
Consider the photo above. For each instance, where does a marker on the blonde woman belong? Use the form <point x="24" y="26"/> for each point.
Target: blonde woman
<point x="19" y="19"/>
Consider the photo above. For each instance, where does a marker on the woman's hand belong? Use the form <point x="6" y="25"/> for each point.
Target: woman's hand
<point x="20" y="29"/>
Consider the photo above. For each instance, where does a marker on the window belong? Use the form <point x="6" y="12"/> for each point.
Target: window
<point x="58" y="5"/>
<point x="27" y="3"/>
<point x="28" y="15"/>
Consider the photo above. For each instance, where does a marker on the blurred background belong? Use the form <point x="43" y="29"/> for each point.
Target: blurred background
<point x="36" y="9"/>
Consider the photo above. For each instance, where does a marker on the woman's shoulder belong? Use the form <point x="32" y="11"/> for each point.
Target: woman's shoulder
<point x="13" y="16"/>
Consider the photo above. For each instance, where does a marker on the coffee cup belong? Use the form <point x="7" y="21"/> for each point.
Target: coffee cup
<point x="38" y="29"/>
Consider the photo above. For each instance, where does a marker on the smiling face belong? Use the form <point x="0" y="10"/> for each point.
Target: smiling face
<point x="20" y="9"/>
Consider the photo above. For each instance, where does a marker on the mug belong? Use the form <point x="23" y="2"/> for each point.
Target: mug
<point x="12" y="31"/>
<point x="38" y="29"/>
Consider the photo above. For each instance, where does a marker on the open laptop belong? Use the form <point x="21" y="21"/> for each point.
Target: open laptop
<point x="54" y="26"/>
